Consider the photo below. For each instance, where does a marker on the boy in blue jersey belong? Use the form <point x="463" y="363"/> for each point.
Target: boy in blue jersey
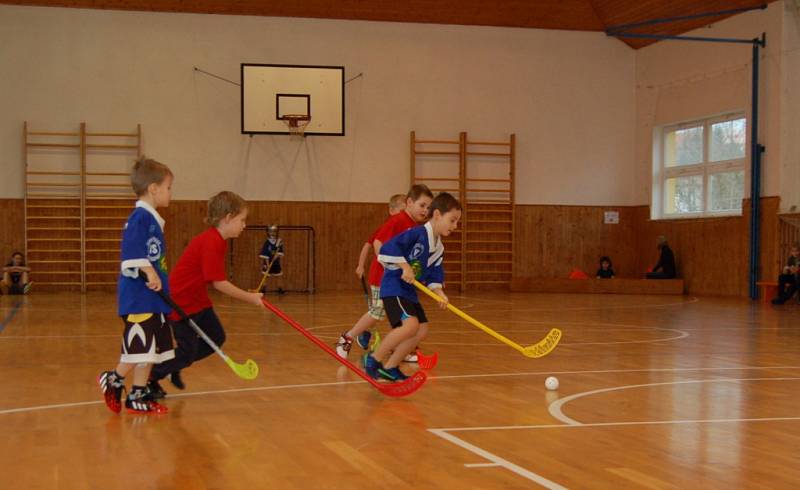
<point x="147" y="337"/>
<point x="414" y="254"/>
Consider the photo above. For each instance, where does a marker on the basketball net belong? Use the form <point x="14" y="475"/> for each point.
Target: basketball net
<point x="297" y="125"/>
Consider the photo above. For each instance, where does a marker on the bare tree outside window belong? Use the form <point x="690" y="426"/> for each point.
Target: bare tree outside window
<point x="728" y="140"/>
<point x="702" y="169"/>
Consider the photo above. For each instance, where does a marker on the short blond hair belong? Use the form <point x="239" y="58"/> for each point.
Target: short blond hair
<point x="223" y="204"/>
<point x="147" y="171"/>
<point x="397" y="201"/>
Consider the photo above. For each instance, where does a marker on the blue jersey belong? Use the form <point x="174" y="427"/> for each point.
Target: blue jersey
<point x="272" y="251"/>
<point x="418" y="248"/>
<point x="142" y="245"/>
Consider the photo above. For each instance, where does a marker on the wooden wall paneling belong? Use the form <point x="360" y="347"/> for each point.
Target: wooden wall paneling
<point x="341" y="230"/>
<point x="553" y="240"/>
<point x="712" y="254"/>
<point x="12" y="228"/>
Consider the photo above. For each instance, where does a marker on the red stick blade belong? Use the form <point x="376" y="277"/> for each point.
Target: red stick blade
<point x="404" y="388"/>
<point x="427" y="362"/>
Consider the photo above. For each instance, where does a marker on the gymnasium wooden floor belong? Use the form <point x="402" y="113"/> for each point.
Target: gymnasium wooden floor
<point x="656" y="392"/>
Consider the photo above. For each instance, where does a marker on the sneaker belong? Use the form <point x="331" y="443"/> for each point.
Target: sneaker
<point x="372" y="366"/>
<point x="112" y="386"/>
<point x="141" y="402"/>
<point x="154" y="390"/>
<point x="363" y="339"/>
<point x="177" y="382"/>
<point x="413" y="357"/>
<point x="343" y="345"/>
<point x="393" y="374"/>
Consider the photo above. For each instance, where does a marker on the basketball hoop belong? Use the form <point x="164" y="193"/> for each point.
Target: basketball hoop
<point x="297" y="124"/>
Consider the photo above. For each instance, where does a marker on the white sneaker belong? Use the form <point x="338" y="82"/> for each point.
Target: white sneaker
<point x="411" y="358"/>
<point x="343" y="345"/>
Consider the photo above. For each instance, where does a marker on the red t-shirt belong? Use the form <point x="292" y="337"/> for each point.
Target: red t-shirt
<point x="393" y="226"/>
<point x="202" y="262"/>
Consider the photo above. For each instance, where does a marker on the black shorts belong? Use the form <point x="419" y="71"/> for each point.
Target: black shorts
<point x="147" y="339"/>
<point x="399" y="308"/>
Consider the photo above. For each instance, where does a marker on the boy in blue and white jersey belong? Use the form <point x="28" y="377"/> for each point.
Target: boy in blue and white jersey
<point x="414" y="254"/>
<point x="147" y="337"/>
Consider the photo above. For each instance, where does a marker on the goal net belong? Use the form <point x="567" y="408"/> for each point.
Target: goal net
<point x="244" y="265"/>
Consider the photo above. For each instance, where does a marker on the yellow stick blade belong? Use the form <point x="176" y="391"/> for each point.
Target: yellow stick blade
<point x="248" y="370"/>
<point x="377" y="341"/>
<point x="544" y="346"/>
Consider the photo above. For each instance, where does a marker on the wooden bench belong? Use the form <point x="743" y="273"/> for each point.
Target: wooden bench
<point x="598" y="286"/>
<point x="768" y="290"/>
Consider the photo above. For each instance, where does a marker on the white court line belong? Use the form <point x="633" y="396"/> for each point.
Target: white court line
<point x="620" y="424"/>
<point x="447" y="377"/>
<point x="444" y="433"/>
<point x="498" y="461"/>
<point x="556" y="411"/>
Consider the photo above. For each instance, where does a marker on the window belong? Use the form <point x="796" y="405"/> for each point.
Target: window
<point x="699" y="167"/>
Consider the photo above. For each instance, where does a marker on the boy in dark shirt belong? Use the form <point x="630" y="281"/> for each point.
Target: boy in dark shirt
<point x="787" y="281"/>
<point x="605" y="271"/>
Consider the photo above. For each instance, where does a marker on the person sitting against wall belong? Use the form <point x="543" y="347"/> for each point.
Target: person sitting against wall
<point x="787" y="281"/>
<point x="605" y="271"/>
<point x="665" y="268"/>
<point x="15" y="276"/>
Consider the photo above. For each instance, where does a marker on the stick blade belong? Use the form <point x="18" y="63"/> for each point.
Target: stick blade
<point x="427" y="362"/>
<point x="248" y="370"/>
<point x="404" y="388"/>
<point x="376" y="342"/>
<point x="544" y="346"/>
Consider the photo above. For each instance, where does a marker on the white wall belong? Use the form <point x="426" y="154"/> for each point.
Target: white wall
<point x="568" y="96"/>
<point x="790" y="109"/>
<point x="678" y="81"/>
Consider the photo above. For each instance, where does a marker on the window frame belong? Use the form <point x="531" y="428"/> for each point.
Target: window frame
<point x="662" y="173"/>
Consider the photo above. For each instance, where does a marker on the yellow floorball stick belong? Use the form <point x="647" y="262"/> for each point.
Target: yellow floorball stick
<point x="539" y="349"/>
<point x="265" y="276"/>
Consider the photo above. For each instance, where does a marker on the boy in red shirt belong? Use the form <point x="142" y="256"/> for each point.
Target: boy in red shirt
<point x="203" y="262"/>
<point x="397" y="203"/>
<point x="418" y="199"/>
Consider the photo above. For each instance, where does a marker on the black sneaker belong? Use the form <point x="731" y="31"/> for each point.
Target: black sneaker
<point x="141" y="402"/>
<point x="177" y="382"/>
<point x="154" y="390"/>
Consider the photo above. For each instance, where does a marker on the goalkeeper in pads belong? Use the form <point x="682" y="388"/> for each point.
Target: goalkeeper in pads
<point x="271" y="254"/>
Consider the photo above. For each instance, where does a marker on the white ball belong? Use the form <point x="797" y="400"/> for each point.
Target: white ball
<point x="551" y="383"/>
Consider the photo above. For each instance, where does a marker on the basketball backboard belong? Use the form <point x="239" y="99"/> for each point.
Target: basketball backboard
<point x="272" y="92"/>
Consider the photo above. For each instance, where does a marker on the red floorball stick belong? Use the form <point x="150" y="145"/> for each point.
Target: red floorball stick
<point x="401" y="388"/>
<point x="427" y="362"/>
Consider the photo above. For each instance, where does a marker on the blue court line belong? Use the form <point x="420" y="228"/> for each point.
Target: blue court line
<point x="10" y="315"/>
